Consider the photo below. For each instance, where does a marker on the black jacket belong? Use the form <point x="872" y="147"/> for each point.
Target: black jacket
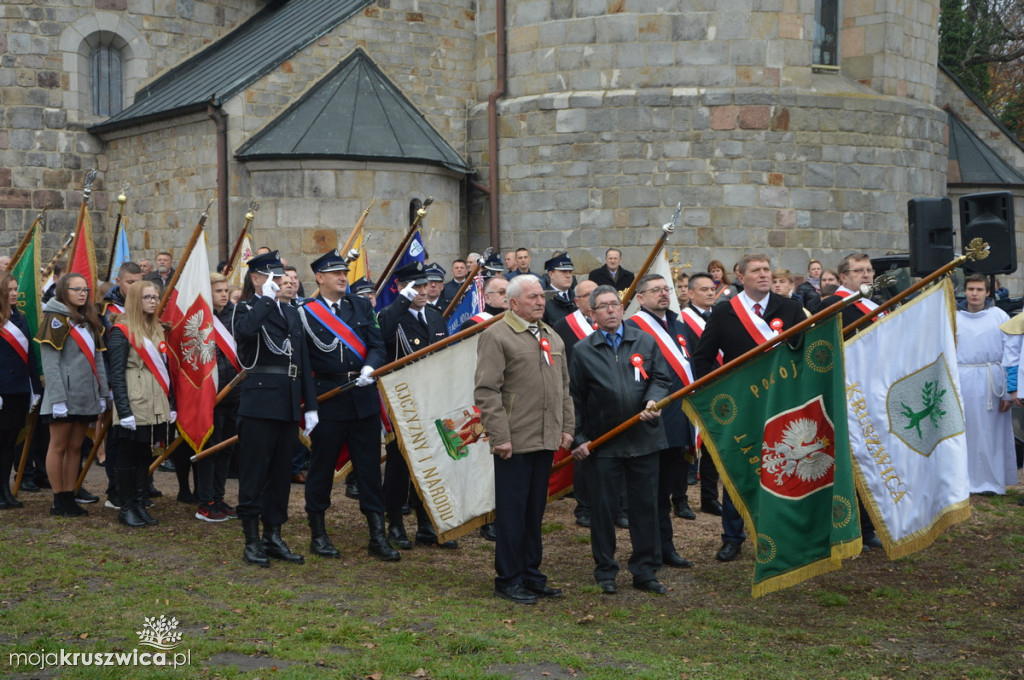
<point x="606" y="393"/>
<point x="226" y="370"/>
<point x="567" y="334"/>
<point x="557" y="308"/>
<point x="677" y="425"/>
<point x="403" y="334"/>
<point x="15" y="376"/>
<point x="602" y="277"/>
<point x="469" y="323"/>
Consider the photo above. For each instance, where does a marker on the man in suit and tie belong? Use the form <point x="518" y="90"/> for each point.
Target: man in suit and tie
<point x="560" y="302"/>
<point x="345" y="344"/>
<point x="459" y="271"/>
<point x="408" y="324"/>
<point x="739" y="324"/>
<point x="611" y="273"/>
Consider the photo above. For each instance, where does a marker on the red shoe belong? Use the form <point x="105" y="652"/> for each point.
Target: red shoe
<point x="209" y="512"/>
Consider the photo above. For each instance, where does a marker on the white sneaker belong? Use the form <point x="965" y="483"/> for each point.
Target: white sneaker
<point x="109" y="504"/>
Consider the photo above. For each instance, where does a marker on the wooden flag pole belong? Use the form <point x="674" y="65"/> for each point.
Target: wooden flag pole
<point x="666" y="229"/>
<point x="249" y="216"/>
<point x="60" y="253"/>
<point x="462" y="290"/>
<point x="386" y="368"/>
<point x="389" y="270"/>
<point x="32" y="419"/>
<point x="122" y="198"/>
<point x="358" y="228"/>
<point x="23" y="246"/>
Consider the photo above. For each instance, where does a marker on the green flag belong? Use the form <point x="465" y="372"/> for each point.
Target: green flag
<point x="26" y="272"/>
<point x="777" y="430"/>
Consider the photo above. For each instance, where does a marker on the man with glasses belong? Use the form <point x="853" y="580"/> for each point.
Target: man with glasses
<point x="614" y="374"/>
<point x="495" y="301"/>
<point x="854" y="272"/>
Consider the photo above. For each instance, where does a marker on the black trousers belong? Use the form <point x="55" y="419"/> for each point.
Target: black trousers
<point x="732" y="522"/>
<point x="362" y="436"/>
<point x="212" y="471"/>
<point x="520" y="497"/>
<point x="264" y="480"/>
<point x="112" y="446"/>
<point x="639" y="475"/>
<point x="668" y="464"/>
<point x="396" y="481"/>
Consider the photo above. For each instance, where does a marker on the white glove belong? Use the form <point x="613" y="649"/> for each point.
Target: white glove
<point x="311" y="419"/>
<point x="270" y="289"/>
<point x="36" y="398"/>
<point x="365" y="378"/>
<point x="103" y="404"/>
<point x="173" y="417"/>
<point x="60" y="410"/>
<point x="128" y="423"/>
<point x="409" y="292"/>
<point x="2" y="401"/>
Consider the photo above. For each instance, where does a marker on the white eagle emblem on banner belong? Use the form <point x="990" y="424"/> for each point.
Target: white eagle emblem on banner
<point x="198" y="348"/>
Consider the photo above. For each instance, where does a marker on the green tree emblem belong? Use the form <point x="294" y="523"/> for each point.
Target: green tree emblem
<point x="931" y="395"/>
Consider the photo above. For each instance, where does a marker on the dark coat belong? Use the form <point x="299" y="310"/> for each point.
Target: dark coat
<point x="154" y="276"/>
<point x="558" y="308"/>
<point x="15" y="376"/>
<point x="226" y="370"/>
<point x="677" y="425"/>
<point x="726" y="332"/>
<point x="567" y="334"/>
<point x="272" y="396"/>
<point x="605" y="392"/>
<point x="850" y="312"/>
<point x="603" y="277"/>
<point x="689" y="335"/>
<point x="358" y="402"/>
<point x="469" y="323"/>
<point x="397" y="323"/>
<point x="808" y="295"/>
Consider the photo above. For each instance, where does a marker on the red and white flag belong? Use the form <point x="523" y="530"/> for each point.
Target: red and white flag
<point x="192" y="347"/>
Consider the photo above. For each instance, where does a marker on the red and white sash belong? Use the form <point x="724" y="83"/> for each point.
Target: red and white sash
<point x="579" y="324"/>
<point x="16" y="339"/>
<point x="152" y="358"/>
<point x="864" y="304"/>
<point x="481" y="317"/>
<point x="225" y="342"/>
<point x="115" y="308"/>
<point x="755" y="325"/>
<point x="669" y="348"/>
<point x="696" y="323"/>
<point x="87" y="343"/>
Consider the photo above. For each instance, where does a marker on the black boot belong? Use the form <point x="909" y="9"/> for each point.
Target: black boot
<point x="683" y="510"/>
<point x="425" y="534"/>
<point x="275" y="546"/>
<point x="320" y="544"/>
<point x="128" y="514"/>
<point x="396" y="531"/>
<point x="141" y="480"/>
<point x="71" y="507"/>
<point x="7" y="499"/>
<point x="253" y="553"/>
<point x="379" y="546"/>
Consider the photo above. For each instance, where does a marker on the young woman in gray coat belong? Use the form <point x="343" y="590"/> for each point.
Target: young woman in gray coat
<point x="70" y="340"/>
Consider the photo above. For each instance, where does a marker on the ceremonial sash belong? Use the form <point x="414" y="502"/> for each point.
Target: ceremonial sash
<point x="696" y="323"/>
<point x="669" y="348"/>
<point x="579" y="324"/>
<point x="481" y="317"/>
<point x="114" y="307"/>
<point x="337" y="327"/>
<point x="87" y="344"/>
<point x="724" y="290"/>
<point x="757" y="327"/>
<point x="226" y="343"/>
<point x="16" y="339"/>
<point x="865" y="305"/>
<point x="152" y="358"/>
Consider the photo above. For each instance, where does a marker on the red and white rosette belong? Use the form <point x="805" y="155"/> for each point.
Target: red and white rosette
<point x="545" y="347"/>
<point x="776" y="324"/>
<point x="681" y="340"/>
<point x="638" y="367"/>
<point x="162" y="348"/>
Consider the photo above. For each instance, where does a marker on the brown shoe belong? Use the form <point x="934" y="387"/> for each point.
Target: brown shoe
<point x="298" y="478"/>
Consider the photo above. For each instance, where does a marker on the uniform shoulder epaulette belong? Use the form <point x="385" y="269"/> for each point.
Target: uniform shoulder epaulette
<point x="54" y="330"/>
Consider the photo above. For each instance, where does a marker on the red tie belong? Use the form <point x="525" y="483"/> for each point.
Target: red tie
<point x="757" y="309"/>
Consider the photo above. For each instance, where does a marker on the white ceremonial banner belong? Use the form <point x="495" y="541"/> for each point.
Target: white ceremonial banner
<point x="906" y="422"/>
<point x="439" y="432"/>
<point x="661" y="266"/>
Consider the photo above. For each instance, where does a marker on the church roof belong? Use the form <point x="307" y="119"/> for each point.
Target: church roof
<point x="972" y="161"/>
<point x="353" y="113"/>
<point x="249" y="52"/>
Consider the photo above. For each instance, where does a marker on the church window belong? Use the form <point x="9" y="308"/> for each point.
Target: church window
<point x="826" y="34"/>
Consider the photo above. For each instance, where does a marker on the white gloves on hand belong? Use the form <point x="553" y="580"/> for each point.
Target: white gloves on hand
<point x="365" y="378"/>
<point x="60" y="410"/>
<point x="103" y="404"/>
<point x="128" y="423"/>
<point x="36" y="398"/>
<point x="173" y="417"/>
<point x="270" y="288"/>
<point x="1" y="403"/>
<point x="311" y="419"/>
<point x="409" y="292"/>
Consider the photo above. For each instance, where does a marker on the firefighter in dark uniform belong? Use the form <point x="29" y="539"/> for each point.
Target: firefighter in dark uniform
<point x="277" y="392"/>
<point x="560" y="295"/>
<point x="344" y="345"/>
<point x="408" y="324"/>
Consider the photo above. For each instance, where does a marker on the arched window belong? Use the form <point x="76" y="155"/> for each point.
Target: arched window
<point x="106" y="80"/>
<point x="826" y="34"/>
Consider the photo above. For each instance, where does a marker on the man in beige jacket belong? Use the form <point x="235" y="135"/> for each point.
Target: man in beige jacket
<point x="522" y="391"/>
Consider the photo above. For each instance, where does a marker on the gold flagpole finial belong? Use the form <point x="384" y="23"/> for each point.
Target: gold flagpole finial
<point x="977" y="250"/>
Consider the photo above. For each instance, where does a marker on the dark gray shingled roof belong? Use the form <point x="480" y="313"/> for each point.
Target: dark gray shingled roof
<point x="249" y="52"/>
<point x="354" y="113"/>
<point x="972" y="161"/>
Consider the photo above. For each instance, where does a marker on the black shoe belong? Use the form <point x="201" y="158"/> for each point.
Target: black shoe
<point x="691" y="479"/>
<point x="275" y="546"/>
<point x="541" y="590"/>
<point x="406" y="509"/>
<point x="28" y="485"/>
<point x="652" y="586"/>
<point x="672" y="559"/>
<point x="516" y="593"/>
<point x="141" y="511"/>
<point x="352" y="490"/>
<point x="130" y="518"/>
<point x="683" y="510"/>
<point x="622" y="522"/>
<point x="187" y="497"/>
<point x="869" y="542"/>
<point x="711" y="507"/>
<point x="253" y="553"/>
<point x="379" y="546"/>
<point x="85" y="497"/>
<point x="728" y="552"/>
<point x="7" y="499"/>
<point x="397" y="535"/>
<point x="152" y="491"/>
<point x="167" y="465"/>
<point x="320" y="543"/>
<point x="608" y="587"/>
<point x="488" y="532"/>
<point x="583" y="521"/>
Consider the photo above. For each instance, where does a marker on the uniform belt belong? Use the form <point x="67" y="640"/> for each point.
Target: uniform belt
<point x="291" y="370"/>
<point x="338" y="377"/>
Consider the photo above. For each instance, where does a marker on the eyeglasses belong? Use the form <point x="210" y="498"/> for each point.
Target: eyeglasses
<point x="151" y="298"/>
<point x="79" y="289"/>
<point x="607" y="305"/>
<point x="657" y="291"/>
<point x="495" y="292"/>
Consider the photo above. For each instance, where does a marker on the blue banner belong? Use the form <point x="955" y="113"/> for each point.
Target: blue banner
<point x="413" y="253"/>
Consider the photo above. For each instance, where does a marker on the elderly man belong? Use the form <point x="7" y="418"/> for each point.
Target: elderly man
<point x="611" y="273"/>
<point x="5" y="263"/>
<point x="146" y="265"/>
<point x="854" y="272"/>
<point x="522" y="391"/>
<point x="164" y="271"/>
<point x="615" y="373"/>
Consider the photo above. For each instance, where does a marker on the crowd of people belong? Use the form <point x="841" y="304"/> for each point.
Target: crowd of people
<point x="563" y="367"/>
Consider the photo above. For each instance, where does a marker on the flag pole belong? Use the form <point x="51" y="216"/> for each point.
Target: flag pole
<point x="90" y="177"/>
<point x="122" y="198"/>
<point x="23" y="246"/>
<point x="420" y="214"/>
<point x="722" y="370"/>
<point x="666" y="229"/>
<point x="32" y="419"/>
<point x="53" y="262"/>
<point x="249" y="217"/>
<point x="386" y="368"/>
<point x="465" y="285"/>
<point x="358" y="228"/>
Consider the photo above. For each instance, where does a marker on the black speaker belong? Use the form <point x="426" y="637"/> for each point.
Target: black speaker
<point x="990" y="217"/>
<point x="931" y="234"/>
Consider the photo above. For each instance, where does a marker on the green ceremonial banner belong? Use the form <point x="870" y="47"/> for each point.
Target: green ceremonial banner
<point x="777" y="430"/>
<point x="26" y="271"/>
